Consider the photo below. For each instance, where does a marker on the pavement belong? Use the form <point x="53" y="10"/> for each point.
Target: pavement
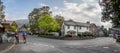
<point x="3" y="46"/>
<point x="7" y="45"/>
<point x="44" y="45"/>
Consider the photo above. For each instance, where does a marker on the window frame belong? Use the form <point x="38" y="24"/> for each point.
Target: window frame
<point x="68" y="27"/>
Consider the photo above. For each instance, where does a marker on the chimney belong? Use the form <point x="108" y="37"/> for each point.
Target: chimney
<point x="88" y="22"/>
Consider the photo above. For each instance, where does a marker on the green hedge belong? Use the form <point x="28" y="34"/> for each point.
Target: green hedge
<point x="85" y="34"/>
<point x="68" y="35"/>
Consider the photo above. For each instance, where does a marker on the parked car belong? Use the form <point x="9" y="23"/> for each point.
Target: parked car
<point x="11" y="33"/>
<point x="54" y="33"/>
<point x="30" y="33"/>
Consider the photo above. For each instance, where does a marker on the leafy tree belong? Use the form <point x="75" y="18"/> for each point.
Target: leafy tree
<point x="33" y="18"/>
<point x="47" y="23"/>
<point x="2" y="15"/>
<point x="14" y="26"/>
<point x="111" y="11"/>
<point x="59" y="19"/>
<point x="35" y="15"/>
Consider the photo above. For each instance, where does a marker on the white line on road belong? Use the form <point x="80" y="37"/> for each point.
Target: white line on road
<point x="44" y="45"/>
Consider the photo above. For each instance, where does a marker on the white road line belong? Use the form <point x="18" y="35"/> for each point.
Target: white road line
<point x="44" y="45"/>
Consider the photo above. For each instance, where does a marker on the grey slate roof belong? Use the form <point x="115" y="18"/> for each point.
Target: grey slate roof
<point x="73" y="23"/>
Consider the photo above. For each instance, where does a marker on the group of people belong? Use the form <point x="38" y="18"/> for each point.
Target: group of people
<point x="19" y="35"/>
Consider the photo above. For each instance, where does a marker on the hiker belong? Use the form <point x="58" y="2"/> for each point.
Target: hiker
<point x="24" y="36"/>
<point x="17" y="37"/>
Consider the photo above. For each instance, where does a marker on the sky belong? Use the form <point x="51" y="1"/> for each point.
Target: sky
<point x="78" y="10"/>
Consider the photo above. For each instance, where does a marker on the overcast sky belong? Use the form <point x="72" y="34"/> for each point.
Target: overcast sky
<point x="78" y="10"/>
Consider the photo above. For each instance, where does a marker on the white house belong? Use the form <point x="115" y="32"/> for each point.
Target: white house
<point x="72" y="27"/>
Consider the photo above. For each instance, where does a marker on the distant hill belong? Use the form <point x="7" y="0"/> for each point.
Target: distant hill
<point x="22" y="21"/>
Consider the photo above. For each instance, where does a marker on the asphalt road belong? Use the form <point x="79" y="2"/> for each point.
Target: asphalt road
<point x="44" y="45"/>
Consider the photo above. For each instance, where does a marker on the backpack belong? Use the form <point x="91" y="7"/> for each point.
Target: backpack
<point x="24" y="34"/>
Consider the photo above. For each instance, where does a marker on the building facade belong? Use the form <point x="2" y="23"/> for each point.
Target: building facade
<point x="74" y="28"/>
<point x="114" y="31"/>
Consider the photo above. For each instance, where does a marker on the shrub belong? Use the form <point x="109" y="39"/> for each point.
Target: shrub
<point x="80" y="35"/>
<point x="87" y="34"/>
<point x="106" y="34"/>
<point x="68" y="35"/>
<point x="118" y="38"/>
<point x="43" y="33"/>
<point x="84" y="34"/>
<point x="36" y="33"/>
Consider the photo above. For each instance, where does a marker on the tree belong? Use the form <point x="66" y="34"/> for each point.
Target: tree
<point x="33" y="18"/>
<point x="14" y="26"/>
<point x="47" y="23"/>
<point x="2" y="15"/>
<point x="59" y="19"/>
<point x="111" y="11"/>
<point x="35" y="15"/>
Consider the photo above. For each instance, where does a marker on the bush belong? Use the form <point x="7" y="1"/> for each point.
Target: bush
<point x="118" y="38"/>
<point x="43" y="33"/>
<point x="36" y="33"/>
<point x="68" y="35"/>
<point x="106" y="34"/>
<point x="86" y="34"/>
<point x="80" y="35"/>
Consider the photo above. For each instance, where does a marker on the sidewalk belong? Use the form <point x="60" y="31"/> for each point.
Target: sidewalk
<point x="5" y="45"/>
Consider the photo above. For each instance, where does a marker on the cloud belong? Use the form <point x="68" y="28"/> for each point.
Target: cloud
<point x="107" y="24"/>
<point x="17" y="16"/>
<point x="9" y="1"/>
<point x="89" y="10"/>
<point x="42" y="4"/>
<point x="56" y="8"/>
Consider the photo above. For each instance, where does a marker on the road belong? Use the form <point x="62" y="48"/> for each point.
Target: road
<point x="44" y="45"/>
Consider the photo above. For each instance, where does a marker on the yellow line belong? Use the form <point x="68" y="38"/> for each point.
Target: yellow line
<point x="10" y="47"/>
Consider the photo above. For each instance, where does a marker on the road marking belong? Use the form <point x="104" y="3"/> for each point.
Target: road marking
<point x="106" y="47"/>
<point x="10" y="47"/>
<point x="44" y="45"/>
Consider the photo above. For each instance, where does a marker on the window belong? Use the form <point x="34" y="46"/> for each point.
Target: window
<point x="80" y="27"/>
<point x="74" y="27"/>
<point x="87" y="28"/>
<point x="68" y="27"/>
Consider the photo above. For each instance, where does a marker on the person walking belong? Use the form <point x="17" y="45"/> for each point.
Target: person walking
<point x="17" y="37"/>
<point x="24" y="36"/>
